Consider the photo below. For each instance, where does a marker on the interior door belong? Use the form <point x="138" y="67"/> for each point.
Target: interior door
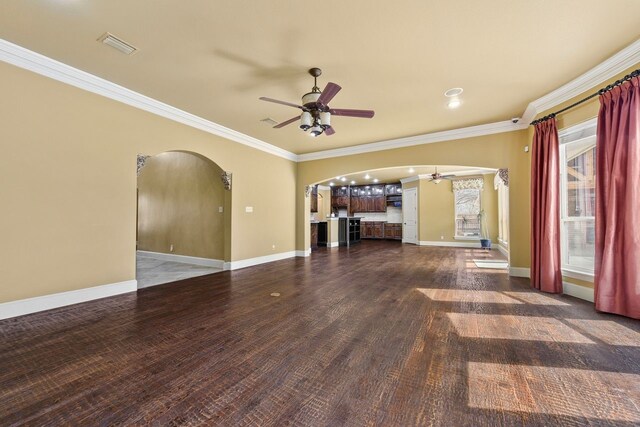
<point x="410" y="216"/>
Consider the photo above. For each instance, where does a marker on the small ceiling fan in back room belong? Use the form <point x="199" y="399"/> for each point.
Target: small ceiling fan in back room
<point x="316" y="113"/>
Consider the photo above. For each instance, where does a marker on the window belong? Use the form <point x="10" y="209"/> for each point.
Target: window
<point x="467" y="210"/>
<point x="577" y="186"/>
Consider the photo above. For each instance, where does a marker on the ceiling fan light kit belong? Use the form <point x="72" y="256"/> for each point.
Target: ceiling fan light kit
<point x="316" y="113"/>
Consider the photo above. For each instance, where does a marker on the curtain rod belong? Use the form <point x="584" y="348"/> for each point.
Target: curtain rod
<point x="626" y="78"/>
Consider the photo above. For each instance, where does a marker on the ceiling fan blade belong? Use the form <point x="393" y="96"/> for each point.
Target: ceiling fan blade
<point x="447" y="176"/>
<point x="263" y="98"/>
<point x="329" y="131"/>
<point x="328" y="93"/>
<point x="288" y="122"/>
<point x="364" y="114"/>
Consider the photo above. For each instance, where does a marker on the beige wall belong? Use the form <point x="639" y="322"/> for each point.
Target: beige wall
<point x="504" y="150"/>
<point x="179" y="196"/>
<point x="68" y="174"/>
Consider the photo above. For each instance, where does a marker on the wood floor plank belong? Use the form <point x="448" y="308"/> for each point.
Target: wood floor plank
<point x="376" y="334"/>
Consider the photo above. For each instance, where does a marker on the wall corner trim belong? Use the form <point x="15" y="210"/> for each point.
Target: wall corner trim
<point x="578" y="291"/>
<point x="520" y="272"/>
<point x="304" y="253"/>
<point x="61" y="299"/>
<point x="43" y="65"/>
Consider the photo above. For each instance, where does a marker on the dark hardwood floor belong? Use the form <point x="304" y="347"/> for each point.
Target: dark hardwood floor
<point x="376" y="334"/>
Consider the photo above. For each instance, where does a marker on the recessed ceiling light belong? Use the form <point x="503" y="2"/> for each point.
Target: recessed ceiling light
<point x="117" y="43"/>
<point x="343" y="179"/>
<point x="353" y="182"/>
<point x="367" y="176"/>
<point x="375" y="180"/>
<point x="331" y="184"/>
<point x="456" y="91"/>
<point x="411" y="170"/>
<point x="454" y="103"/>
<point x="338" y="177"/>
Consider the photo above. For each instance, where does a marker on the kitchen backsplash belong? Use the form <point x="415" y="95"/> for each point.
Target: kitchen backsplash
<point x="393" y="215"/>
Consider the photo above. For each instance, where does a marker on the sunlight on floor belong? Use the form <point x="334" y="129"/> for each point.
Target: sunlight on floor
<point x="610" y="332"/>
<point x="529" y="328"/>
<point x="535" y="298"/>
<point x="455" y="295"/>
<point x="536" y="389"/>
<point x="489" y="297"/>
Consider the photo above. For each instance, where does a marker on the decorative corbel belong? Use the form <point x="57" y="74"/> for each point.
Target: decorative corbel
<point x="226" y="180"/>
<point x="504" y="176"/>
<point x="142" y="160"/>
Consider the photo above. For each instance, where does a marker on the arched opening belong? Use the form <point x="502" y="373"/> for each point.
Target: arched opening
<point x="461" y="206"/>
<point x="183" y="218"/>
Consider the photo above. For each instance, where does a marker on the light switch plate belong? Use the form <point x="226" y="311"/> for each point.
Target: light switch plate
<point x="248" y="209"/>
<point x="220" y="209"/>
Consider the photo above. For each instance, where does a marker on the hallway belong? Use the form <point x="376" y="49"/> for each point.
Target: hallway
<point x="375" y="334"/>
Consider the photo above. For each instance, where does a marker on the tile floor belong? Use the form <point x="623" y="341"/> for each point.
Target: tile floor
<point x="152" y="271"/>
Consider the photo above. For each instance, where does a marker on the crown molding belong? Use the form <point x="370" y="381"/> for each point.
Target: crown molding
<point x="24" y="58"/>
<point x="429" y="138"/>
<point x="40" y="64"/>
<point x="624" y="59"/>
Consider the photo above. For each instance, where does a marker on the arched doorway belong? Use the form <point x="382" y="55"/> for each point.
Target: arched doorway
<point x="182" y="217"/>
<point x="475" y="208"/>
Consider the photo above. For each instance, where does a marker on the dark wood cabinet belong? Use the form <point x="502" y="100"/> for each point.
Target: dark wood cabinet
<point x="393" y="231"/>
<point x="368" y="198"/>
<point x="314" y="199"/>
<point x="372" y="229"/>
<point x="378" y="230"/>
<point x="314" y="235"/>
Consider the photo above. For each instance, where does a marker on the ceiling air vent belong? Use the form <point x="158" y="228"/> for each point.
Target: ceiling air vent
<point x="116" y="43"/>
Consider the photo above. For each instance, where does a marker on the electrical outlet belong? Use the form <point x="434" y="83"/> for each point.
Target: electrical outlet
<point x="220" y="209"/>
<point x="441" y="237"/>
<point x="170" y="248"/>
<point x="273" y="246"/>
<point x="248" y="209"/>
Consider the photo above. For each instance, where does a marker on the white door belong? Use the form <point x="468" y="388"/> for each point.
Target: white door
<point x="410" y="215"/>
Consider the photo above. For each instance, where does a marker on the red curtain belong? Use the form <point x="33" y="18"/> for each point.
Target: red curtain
<point x="617" y="261"/>
<point x="546" y="273"/>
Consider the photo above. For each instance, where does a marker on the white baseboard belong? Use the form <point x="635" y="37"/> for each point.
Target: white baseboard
<point x="450" y="244"/>
<point x="48" y="302"/>
<point x="205" y="262"/>
<point x="305" y="253"/>
<point x="504" y="251"/>
<point x="243" y="263"/>
<point x="520" y="272"/>
<point x="578" y="291"/>
<point x="333" y="244"/>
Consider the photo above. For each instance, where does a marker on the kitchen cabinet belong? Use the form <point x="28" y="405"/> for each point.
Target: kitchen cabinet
<point x="314" y="235"/>
<point x="314" y="199"/>
<point x="368" y="198"/>
<point x="340" y="197"/>
<point x="372" y="229"/>
<point x="393" y="231"/>
<point x="349" y="231"/>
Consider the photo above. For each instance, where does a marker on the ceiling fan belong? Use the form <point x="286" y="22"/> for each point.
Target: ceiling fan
<point x="436" y="178"/>
<point x="316" y="113"/>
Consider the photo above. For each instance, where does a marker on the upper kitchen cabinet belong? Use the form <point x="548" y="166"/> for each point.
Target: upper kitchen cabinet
<point x="367" y="198"/>
<point x="340" y="197"/>
<point x="314" y="199"/>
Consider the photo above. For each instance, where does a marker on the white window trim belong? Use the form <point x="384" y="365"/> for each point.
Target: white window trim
<point x="579" y="132"/>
